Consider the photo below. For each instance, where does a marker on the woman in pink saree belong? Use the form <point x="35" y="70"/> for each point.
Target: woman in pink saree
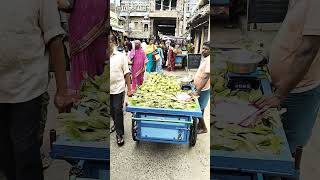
<point x="87" y="40"/>
<point x="138" y="58"/>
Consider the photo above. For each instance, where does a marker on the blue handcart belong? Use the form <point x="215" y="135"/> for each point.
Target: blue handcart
<point x="164" y="125"/>
<point x="89" y="160"/>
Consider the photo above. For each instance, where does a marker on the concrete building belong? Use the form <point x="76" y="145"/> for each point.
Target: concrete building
<point x="116" y="22"/>
<point x="150" y="18"/>
<point x="199" y="24"/>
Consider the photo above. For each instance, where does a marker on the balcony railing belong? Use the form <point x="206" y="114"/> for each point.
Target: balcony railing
<point x="136" y="6"/>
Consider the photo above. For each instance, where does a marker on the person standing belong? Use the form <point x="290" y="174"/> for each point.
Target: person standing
<point x="144" y="45"/>
<point x="119" y="79"/>
<point x="128" y="44"/>
<point x="29" y="43"/>
<point x="150" y="52"/>
<point x="202" y="84"/>
<point x="165" y="53"/>
<point x="160" y="60"/>
<point x="167" y="43"/>
<point x="87" y="40"/>
<point x="294" y="69"/>
<point x="171" y="57"/>
<point x="190" y="47"/>
<point x="138" y="58"/>
<point x="126" y="50"/>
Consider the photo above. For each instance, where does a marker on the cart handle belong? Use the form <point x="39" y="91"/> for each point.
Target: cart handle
<point x="162" y="120"/>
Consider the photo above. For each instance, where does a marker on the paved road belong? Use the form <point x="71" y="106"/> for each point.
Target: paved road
<point x="154" y="161"/>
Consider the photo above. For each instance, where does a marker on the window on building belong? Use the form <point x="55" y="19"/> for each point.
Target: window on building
<point x="136" y="25"/>
<point x="145" y="28"/>
<point x="166" y="4"/>
<point x="158" y="4"/>
<point x="173" y="4"/>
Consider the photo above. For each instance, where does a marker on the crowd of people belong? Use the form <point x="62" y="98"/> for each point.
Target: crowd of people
<point x="160" y="54"/>
<point x="147" y="58"/>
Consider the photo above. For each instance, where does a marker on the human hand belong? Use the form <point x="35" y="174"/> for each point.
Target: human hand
<point x="267" y="102"/>
<point x="129" y="93"/>
<point x="62" y="101"/>
<point x="194" y="94"/>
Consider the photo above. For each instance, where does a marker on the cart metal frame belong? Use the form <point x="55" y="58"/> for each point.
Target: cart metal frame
<point x="258" y="164"/>
<point x="162" y="125"/>
<point x="89" y="159"/>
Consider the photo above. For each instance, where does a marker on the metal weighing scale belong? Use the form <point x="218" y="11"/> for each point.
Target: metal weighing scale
<point x="243" y="81"/>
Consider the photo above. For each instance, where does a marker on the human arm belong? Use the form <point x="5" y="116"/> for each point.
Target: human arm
<point x="303" y="58"/>
<point x="128" y="83"/>
<point x="56" y="50"/>
<point x="130" y="58"/>
<point x="201" y="84"/>
<point x="162" y="56"/>
<point x="49" y="23"/>
<point x="127" y="74"/>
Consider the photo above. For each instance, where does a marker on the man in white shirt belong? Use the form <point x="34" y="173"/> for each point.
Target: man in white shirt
<point x="119" y="79"/>
<point x="144" y="44"/>
<point x="202" y="83"/>
<point x="294" y="69"/>
<point x="28" y="38"/>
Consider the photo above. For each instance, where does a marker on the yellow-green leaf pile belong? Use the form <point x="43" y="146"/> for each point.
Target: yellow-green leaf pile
<point x="259" y="137"/>
<point x="160" y="91"/>
<point x="89" y="120"/>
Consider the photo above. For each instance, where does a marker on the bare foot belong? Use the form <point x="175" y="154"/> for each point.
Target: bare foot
<point x="202" y="131"/>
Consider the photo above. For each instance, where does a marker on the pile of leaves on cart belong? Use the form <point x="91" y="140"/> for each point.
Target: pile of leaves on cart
<point x="260" y="136"/>
<point x="89" y="119"/>
<point x="162" y="91"/>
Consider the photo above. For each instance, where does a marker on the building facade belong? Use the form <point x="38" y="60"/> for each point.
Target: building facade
<point x="150" y="18"/>
<point x="199" y="24"/>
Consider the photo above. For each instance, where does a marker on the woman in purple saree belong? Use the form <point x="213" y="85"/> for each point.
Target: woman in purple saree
<point x="87" y="40"/>
<point x="138" y="58"/>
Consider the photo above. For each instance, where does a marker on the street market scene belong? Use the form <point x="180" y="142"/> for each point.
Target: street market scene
<point x="57" y="75"/>
<point x="266" y="93"/>
<point x="159" y="89"/>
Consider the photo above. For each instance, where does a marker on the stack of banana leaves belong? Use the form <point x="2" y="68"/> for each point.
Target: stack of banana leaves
<point x="89" y="119"/>
<point x="258" y="137"/>
<point x="160" y="91"/>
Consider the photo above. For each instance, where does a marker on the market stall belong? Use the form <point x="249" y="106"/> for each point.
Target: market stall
<point x="164" y="112"/>
<point x="246" y="144"/>
<point x="82" y="138"/>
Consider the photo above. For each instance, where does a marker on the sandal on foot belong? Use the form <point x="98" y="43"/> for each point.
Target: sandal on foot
<point x="120" y="140"/>
<point x="112" y="129"/>
<point x="46" y="162"/>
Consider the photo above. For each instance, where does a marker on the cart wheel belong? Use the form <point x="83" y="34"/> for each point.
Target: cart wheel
<point x="193" y="132"/>
<point x="134" y="131"/>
